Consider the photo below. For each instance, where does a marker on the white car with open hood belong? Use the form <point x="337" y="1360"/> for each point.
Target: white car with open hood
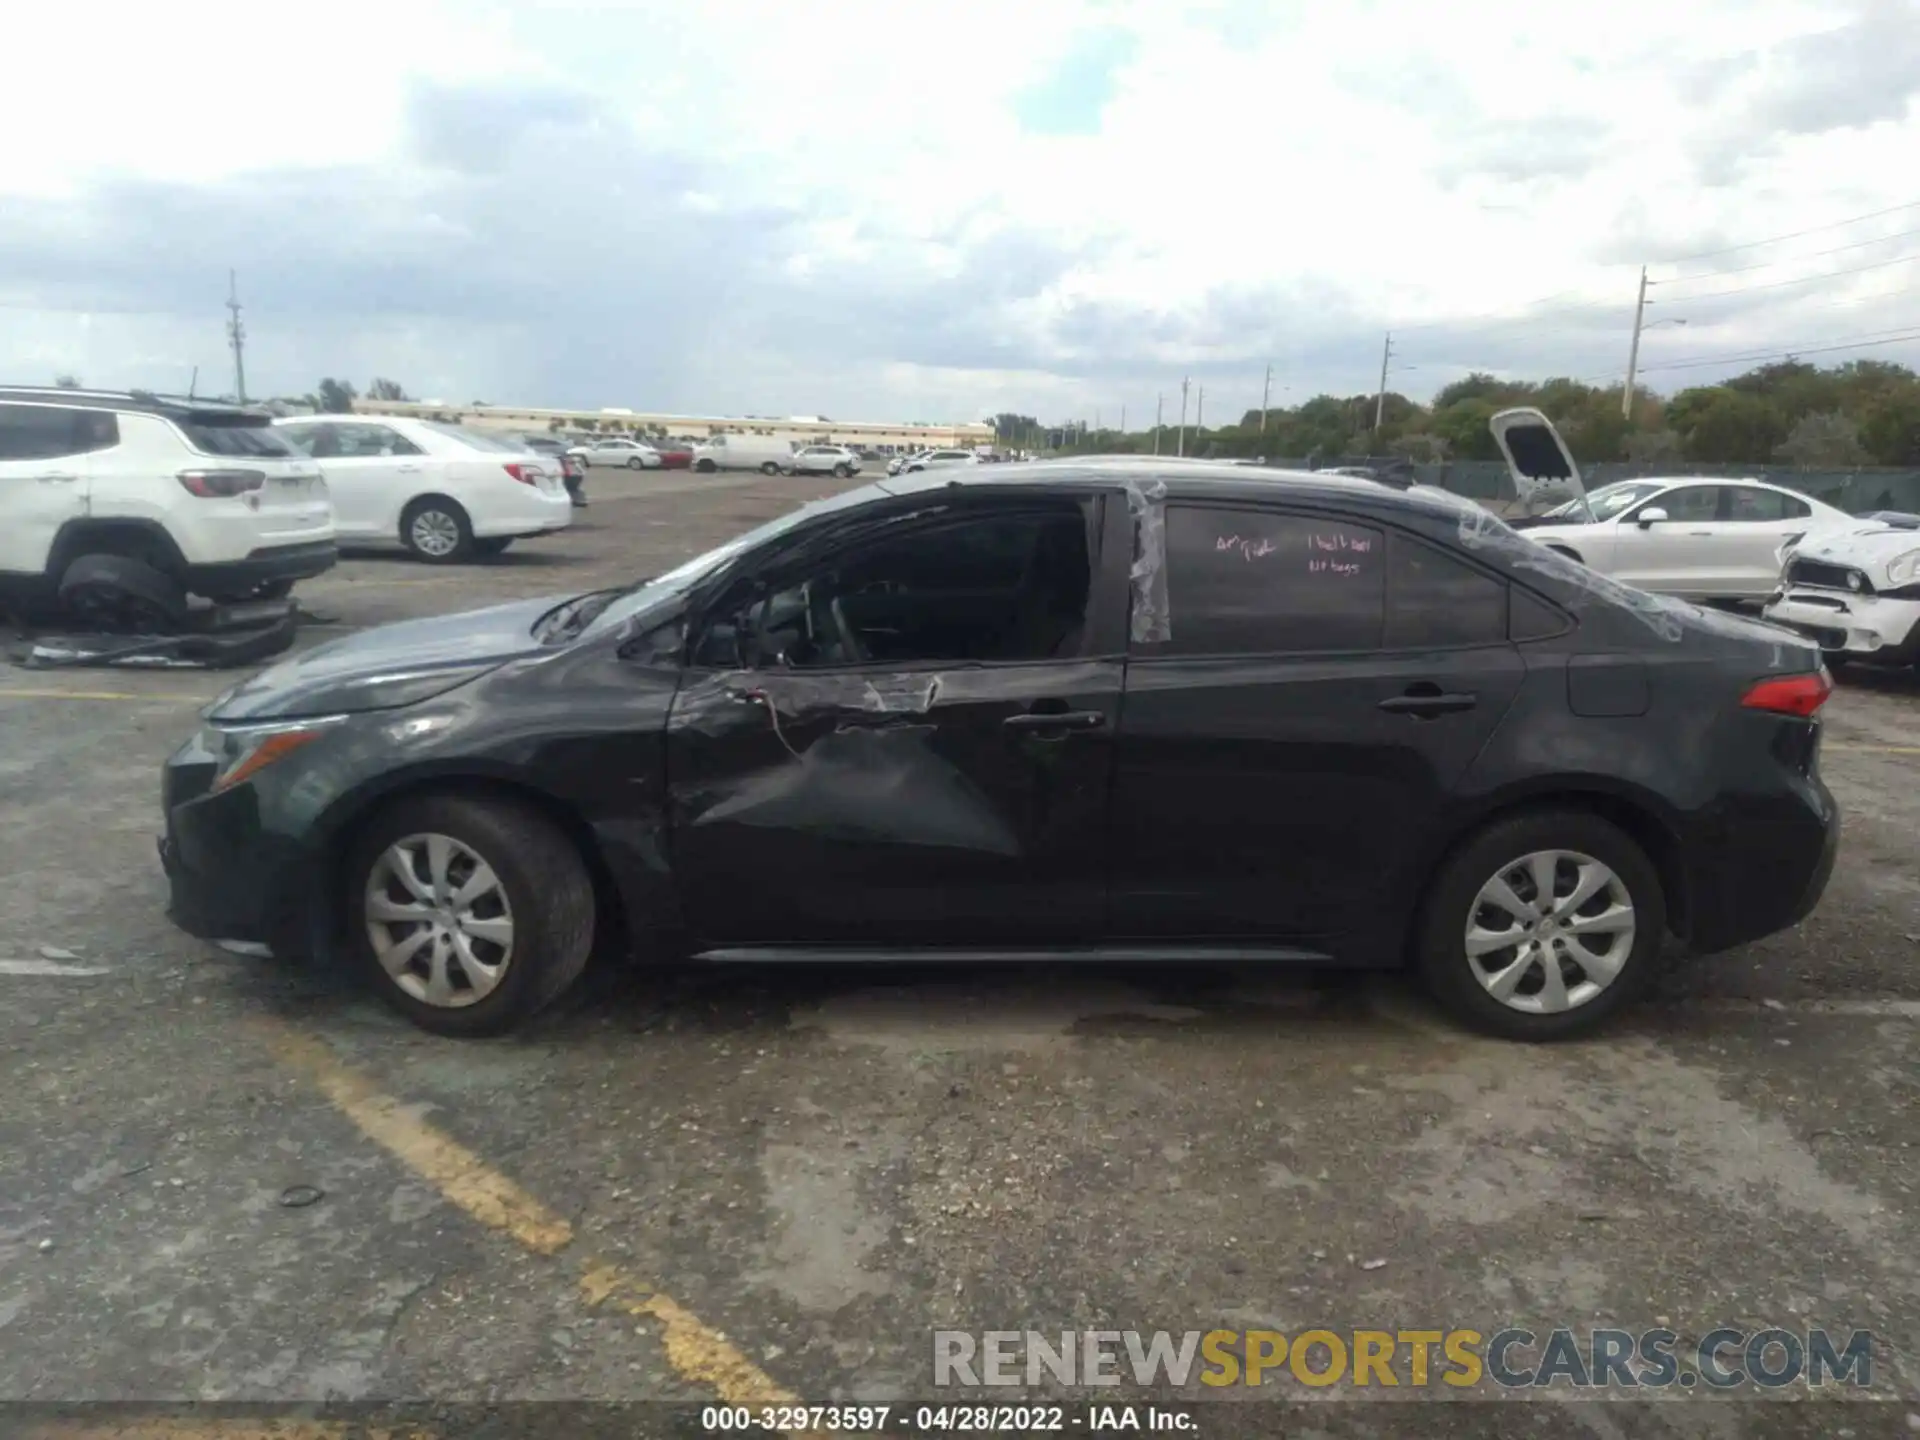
<point x="1856" y="591"/>
<point x="1697" y="537"/>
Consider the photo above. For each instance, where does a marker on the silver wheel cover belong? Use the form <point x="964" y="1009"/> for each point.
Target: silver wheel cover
<point x="439" y="921"/>
<point x="1549" y="932"/>
<point x="435" y="533"/>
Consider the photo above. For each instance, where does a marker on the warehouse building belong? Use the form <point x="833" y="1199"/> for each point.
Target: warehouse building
<point x="799" y="429"/>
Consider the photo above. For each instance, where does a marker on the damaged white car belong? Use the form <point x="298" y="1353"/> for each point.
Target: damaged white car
<point x="1855" y="591"/>
<point x="1696" y="537"/>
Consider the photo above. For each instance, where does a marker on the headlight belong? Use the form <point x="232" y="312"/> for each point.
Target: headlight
<point x="243" y="751"/>
<point x="1904" y="569"/>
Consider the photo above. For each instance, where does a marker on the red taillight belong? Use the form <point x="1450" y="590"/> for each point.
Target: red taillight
<point x="221" y="484"/>
<point x="525" y="474"/>
<point x="1799" y="695"/>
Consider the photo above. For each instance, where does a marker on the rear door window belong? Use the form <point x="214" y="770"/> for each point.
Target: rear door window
<point x="52" y="432"/>
<point x="1436" y="601"/>
<point x="1251" y="582"/>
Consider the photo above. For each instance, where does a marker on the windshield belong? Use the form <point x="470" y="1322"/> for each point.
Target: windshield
<point x="476" y="440"/>
<point x="646" y="594"/>
<point x="1609" y="500"/>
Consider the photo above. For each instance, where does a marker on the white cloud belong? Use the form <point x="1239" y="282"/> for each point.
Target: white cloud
<point x="836" y="207"/>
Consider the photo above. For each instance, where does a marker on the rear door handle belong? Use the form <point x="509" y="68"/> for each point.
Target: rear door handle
<point x="57" y="477"/>
<point x="1425" y="702"/>
<point x="1055" y="720"/>
<point x="409" y="469"/>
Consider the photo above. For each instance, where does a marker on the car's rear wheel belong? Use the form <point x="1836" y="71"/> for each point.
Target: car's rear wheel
<point x="469" y="915"/>
<point x="436" y="529"/>
<point x="706" y="467"/>
<point x="122" y="596"/>
<point x="769" y="468"/>
<point x="634" y="462"/>
<point x="843" y="471"/>
<point x="1543" y="925"/>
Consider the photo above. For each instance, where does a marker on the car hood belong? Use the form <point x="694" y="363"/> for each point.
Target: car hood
<point x="1864" y="547"/>
<point x="387" y="667"/>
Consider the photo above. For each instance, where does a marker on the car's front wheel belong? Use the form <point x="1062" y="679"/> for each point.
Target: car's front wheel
<point x="634" y="462"/>
<point x="1543" y="925"/>
<point x="842" y="472"/>
<point x="769" y="468"/>
<point x="469" y="915"/>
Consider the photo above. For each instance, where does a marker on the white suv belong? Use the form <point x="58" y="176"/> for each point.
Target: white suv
<point x="824" y="460"/>
<point x="443" y="492"/>
<point x="119" y="504"/>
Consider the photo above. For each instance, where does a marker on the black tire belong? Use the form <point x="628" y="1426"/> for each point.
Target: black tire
<point x="547" y="887"/>
<point x="494" y="545"/>
<point x="706" y="467"/>
<point x="770" y="468"/>
<point x="842" y="472"/>
<point x="634" y="462"/>
<point x="1442" y="959"/>
<point x="122" y="596"/>
<point x="462" y="529"/>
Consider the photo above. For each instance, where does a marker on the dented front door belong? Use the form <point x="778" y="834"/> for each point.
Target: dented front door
<point x="924" y="807"/>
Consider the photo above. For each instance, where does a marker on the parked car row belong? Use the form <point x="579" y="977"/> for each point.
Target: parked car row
<point x="1851" y="583"/>
<point x="117" y="507"/>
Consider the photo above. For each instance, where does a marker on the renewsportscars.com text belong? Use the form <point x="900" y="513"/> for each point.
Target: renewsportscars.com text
<point x="1513" y="1358"/>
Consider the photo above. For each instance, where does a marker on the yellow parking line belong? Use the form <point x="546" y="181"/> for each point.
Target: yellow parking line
<point x="698" y="1353"/>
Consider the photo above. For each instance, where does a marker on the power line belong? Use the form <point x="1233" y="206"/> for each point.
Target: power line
<point x="1803" y="280"/>
<point x="1793" y="235"/>
<point x="1769" y="264"/>
<point x="1886" y="338"/>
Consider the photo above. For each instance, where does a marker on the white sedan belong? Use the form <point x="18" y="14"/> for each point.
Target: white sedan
<point x="442" y="492"/>
<point x="1688" y="536"/>
<point x="612" y="451"/>
<point x="939" y="459"/>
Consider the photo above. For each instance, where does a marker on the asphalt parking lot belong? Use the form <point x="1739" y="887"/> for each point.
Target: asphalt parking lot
<point x="750" y="1184"/>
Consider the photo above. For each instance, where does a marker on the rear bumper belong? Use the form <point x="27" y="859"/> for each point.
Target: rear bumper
<point x="533" y="513"/>
<point x="1765" y="867"/>
<point x="1861" y="627"/>
<point x="277" y="562"/>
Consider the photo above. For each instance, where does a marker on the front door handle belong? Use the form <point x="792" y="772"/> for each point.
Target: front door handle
<point x="409" y="469"/>
<point x="1055" y="720"/>
<point x="1427" y="700"/>
<point x="57" y="477"/>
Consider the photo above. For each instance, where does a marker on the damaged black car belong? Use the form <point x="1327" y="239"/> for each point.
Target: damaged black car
<point x="1104" y="710"/>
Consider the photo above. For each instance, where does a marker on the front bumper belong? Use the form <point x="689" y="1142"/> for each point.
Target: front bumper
<point x="1864" y="627"/>
<point x="229" y="876"/>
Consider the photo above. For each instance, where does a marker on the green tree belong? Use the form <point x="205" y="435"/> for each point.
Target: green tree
<point x="381" y="389"/>
<point x="1720" y="425"/>
<point x="1829" y="438"/>
<point x="1463" y="425"/>
<point x="67" y="382"/>
<point x="1891" y="429"/>
<point x="334" y="397"/>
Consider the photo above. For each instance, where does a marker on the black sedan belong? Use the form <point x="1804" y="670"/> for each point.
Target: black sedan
<point x="1106" y="710"/>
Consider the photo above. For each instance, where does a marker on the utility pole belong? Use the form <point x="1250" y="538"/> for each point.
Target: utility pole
<point x="193" y="384"/>
<point x="237" y="337"/>
<point x="1266" y="394"/>
<point x="1380" y="401"/>
<point x="1200" y="413"/>
<point x="1183" y="418"/>
<point x="1123" y="419"/>
<point x="1633" y="351"/>
<point x="1158" y="402"/>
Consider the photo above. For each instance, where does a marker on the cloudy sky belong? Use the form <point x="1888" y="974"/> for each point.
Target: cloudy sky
<point x="931" y="210"/>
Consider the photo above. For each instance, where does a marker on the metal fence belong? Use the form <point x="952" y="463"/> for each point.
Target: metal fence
<point x="1857" y="491"/>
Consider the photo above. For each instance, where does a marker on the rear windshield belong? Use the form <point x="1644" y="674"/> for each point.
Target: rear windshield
<point x="476" y="440"/>
<point x="242" y="435"/>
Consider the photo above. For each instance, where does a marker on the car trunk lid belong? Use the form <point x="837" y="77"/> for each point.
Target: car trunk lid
<point x="1543" y="470"/>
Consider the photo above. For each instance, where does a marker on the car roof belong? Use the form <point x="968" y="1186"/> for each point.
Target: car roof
<point x="143" y="402"/>
<point x="1208" y="479"/>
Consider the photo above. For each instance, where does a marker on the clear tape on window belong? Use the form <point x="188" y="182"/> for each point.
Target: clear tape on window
<point x="1152" y="622"/>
